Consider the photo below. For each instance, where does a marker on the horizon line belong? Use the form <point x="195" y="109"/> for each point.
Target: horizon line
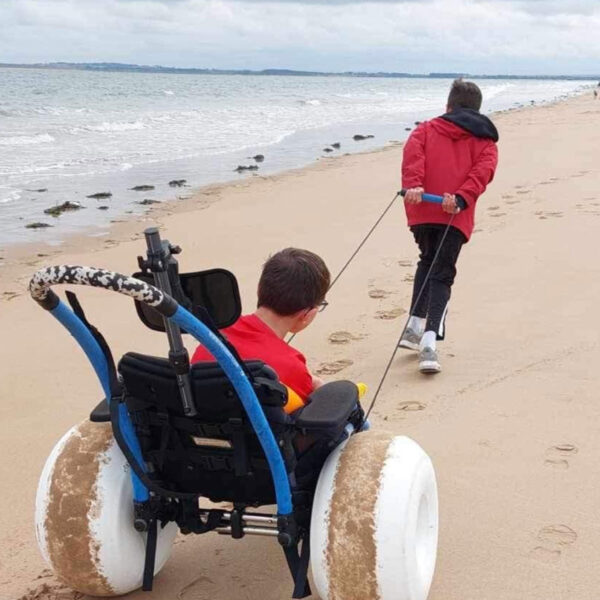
<point x="133" y="67"/>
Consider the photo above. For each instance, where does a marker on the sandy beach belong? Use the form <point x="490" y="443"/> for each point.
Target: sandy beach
<point x="509" y="424"/>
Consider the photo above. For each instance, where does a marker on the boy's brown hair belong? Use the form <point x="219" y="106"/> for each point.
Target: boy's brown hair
<point x="464" y="94"/>
<point x="293" y="280"/>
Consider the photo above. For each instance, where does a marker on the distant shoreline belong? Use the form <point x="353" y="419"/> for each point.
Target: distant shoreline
<point x="133" y="68"/>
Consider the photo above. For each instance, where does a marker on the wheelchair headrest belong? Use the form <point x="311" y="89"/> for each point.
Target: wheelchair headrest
<point x="214" y="290"/>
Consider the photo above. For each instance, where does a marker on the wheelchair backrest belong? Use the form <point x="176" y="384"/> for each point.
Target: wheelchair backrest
<point x="215" y="453"/>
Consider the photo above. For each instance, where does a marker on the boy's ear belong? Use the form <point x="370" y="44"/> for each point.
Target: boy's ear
<point x="306" y="315"/>
<point x="310" y="315"/>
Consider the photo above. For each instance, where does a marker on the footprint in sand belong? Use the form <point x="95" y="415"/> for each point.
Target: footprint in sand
<point x="493" y="207"/>
<point x="507" y="196"/>
<point x="9" y="295"/>
<point x="388" y="315"/>
<point x="343" y="337"/>
<point x="409" y="278"/>
<point x="557" y="456"/>
<point x="554" y="539"/>
<point x="334" y="367"/>
<point x="376" y="293"/>
<point x="513" y="201"/>
<point x="498" y="215"/>
<point x="541" y="214"/>
<point x="557" y="535"/>
<point x="189" y="587"/>
<point x="523" y="191"/>
<point x="411" y="405"/>
<point x="405" y="263"/>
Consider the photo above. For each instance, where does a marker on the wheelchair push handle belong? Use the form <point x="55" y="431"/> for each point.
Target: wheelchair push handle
<point x="42" y="282"/>
<point x="427" y="197"/>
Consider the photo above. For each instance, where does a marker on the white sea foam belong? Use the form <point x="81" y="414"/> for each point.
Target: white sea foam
<point x="26" y="140"/>
<point x="10" y="196"/>
<point x="168" y="92"/>
<point x="116" y="126"/>
<point x="491" y="91"/>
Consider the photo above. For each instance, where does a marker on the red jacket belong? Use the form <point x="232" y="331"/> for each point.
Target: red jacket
<point x="456" y="154"/>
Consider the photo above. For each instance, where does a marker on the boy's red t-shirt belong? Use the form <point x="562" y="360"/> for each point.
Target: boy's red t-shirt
<point x="255" y="340"/>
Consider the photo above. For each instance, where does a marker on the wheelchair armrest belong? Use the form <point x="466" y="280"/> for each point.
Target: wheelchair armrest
<point x="100" y="414"/>
<point x="329" y="409"/>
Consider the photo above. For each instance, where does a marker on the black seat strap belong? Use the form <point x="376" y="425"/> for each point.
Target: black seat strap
<point x="240" y="450"/>
<point x="165" y="435"/>
<point x="298" y="565"/>
<point x="301" y="586"/>
<point x="150" y="557"/>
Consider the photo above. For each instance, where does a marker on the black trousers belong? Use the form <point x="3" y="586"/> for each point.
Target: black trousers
<point x="433" y="303"/>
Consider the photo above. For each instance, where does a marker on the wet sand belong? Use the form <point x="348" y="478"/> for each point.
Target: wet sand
<point x="510" y="423"/>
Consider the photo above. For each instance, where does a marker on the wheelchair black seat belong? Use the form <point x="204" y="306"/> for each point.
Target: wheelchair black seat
<point x="215" y="453"/>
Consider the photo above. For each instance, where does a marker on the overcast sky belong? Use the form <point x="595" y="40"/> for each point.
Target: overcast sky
<point x="418" y="36"/>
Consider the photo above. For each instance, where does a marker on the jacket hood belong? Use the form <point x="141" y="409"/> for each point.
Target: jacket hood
<point x="470" y="121"/>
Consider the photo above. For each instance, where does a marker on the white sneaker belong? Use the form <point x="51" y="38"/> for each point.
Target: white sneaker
<point x="410" y="339"/>
<point x="428" y="361"/>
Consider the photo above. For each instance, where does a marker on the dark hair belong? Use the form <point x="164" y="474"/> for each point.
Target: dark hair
<point x="293" y="280"/>
<point x="464" y="94"/>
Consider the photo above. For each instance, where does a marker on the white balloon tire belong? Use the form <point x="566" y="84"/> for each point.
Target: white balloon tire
<point x="84" y="515"/>
<point x="374" y="524"/>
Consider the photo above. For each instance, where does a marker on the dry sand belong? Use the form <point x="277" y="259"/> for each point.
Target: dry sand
<point x="511" y="423"/>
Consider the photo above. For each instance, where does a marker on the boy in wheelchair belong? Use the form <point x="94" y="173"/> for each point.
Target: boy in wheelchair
<point x="291" y="291"/>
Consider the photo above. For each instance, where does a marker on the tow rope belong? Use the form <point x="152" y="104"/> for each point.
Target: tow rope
<point x="427" y="198"/>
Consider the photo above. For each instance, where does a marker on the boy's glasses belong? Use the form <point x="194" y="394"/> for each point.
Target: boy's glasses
<point x="322" y="306"/>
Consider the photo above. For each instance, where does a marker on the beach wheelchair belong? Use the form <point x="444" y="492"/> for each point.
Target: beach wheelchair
<point x="358" y="506"/>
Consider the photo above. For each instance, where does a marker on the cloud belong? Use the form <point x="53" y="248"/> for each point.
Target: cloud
<point x="495" y="36"/>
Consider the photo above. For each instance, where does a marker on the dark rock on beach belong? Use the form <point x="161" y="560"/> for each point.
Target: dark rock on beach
<point x="242" y="168"/>
<point x="67" y="206"/>
<point x="258" y="157"/>
<point x="336" y="145"/>
<point x="417" y="122"/>
<point x="407" y="128"/>
<point x="177" y="182"/>
<point x="358" y="137"/>
<point x="37" y="225"/>
<point x="41" y="190"/>
<point x="327" y="149"/>
<point x="142" y="188"/>
<point x="103" y="207"/>
<point x="148" y="202"/>
<point x="100" y="195"/>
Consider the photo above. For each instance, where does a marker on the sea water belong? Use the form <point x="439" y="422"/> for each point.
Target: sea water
<point x="75" y="133"/>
